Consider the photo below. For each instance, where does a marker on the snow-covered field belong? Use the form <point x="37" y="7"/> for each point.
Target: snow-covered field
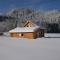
<point x="29" y="49"/>
<point x="52" y="35"/>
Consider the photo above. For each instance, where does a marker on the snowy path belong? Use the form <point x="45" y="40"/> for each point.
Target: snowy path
<point x="29" y="49"/>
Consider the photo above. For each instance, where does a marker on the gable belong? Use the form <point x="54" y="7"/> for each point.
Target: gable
<point x="29" y="24"/>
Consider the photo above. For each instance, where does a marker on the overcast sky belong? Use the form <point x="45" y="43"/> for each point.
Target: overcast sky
<point x="38" y="4"/>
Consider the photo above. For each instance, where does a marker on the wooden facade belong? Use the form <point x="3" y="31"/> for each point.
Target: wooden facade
<point x="31" y="35"/>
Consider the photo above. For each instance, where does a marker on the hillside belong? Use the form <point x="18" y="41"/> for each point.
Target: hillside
<point x="22" y="14"/>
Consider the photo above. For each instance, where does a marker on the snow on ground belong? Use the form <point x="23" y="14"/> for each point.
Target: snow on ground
<point x="52" y="34"/>
<point x="29" y="49"/>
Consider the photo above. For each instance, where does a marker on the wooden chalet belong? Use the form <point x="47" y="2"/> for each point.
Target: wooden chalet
<point x="30" y="30"/>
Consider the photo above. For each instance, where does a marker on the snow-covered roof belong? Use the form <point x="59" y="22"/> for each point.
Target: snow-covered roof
<point x="24" y="29"/>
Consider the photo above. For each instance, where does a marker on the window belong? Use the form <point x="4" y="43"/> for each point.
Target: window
<point x="39" y="34"/>
<point x="42" y="33"/>
<point x="20" y="34"/>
